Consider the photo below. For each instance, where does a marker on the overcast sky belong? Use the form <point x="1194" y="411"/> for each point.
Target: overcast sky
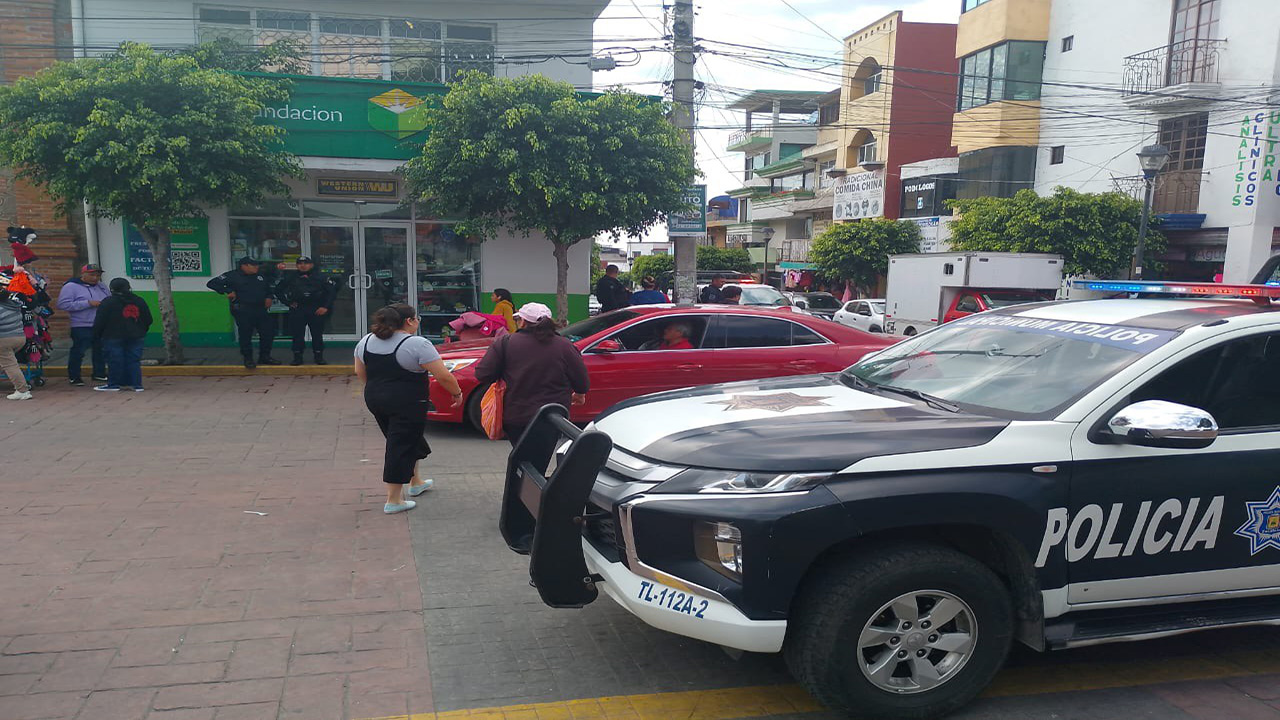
<point x="760" y="23"/>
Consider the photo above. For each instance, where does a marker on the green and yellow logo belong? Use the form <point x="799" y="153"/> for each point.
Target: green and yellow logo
<point x="399" y="114"/>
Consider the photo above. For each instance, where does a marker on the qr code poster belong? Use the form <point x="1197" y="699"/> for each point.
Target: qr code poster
<point x="189" y="251"/>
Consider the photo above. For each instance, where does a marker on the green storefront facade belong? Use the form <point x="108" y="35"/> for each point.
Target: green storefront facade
<point x="351" y="214"/>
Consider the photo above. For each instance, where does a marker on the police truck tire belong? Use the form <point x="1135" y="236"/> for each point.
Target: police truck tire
<point x="847" y="618"/>
<point x="909" y="332"/>
<point x="876" y="329"/>
<point x="473" y="407"/>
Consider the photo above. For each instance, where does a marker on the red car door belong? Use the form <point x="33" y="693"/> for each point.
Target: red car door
<point x="630" y="363"/>
<point x="748" y="347"/>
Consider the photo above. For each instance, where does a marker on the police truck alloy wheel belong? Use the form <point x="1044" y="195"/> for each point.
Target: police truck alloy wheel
<point x="900" y="631"/>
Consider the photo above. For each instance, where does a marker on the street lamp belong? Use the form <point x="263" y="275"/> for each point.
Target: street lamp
<point x="1152" y="159"/>
<point x="768" y="233"/>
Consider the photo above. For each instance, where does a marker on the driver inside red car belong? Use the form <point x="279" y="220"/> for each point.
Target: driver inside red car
<point x="675" y="336"/>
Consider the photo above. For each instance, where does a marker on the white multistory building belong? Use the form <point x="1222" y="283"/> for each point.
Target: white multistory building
<point x="1202" y="78"/>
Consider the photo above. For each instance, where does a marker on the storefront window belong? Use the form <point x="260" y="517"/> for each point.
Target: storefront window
<point x="271" y="207"/>
<point x="329" y="210"/>
<point x="274" y="243"/>
<point x="385" y="211"/>
<point x="448" y="272"/>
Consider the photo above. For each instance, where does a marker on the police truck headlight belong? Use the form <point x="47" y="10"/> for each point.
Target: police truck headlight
<point x="719" y="546"/>
<point x="456" y="365"/>
<point x="697" y="480"/>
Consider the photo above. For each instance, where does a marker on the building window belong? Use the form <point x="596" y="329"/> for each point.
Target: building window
<point x="867" y="152"/>
<point x="1185" y="137"/>
<point x="871" y="84"/>
<point x="787" y="183"/>
<point x="971" y="4"/>
<point x="755" y="162"/>
<point x="824" y="179"/>
<point x="1068" y="42"/>
<point x="1009" y="71"/>
<point x="829" y="114"/>
<point x="1057" y="154"/>
<point x="393" y="49"/>
<point x="996" y="171"/>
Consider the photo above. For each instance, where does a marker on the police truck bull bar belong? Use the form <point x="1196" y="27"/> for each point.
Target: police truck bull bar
<point x="542" y="516"/>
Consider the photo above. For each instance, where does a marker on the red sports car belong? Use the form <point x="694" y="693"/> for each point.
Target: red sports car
<point x="622" y="354"/>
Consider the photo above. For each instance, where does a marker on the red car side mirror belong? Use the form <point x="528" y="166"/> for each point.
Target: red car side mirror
<point x="608" y="346"/>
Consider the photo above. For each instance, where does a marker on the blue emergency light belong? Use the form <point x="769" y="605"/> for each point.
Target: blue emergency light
<point x="1253" y="292"/>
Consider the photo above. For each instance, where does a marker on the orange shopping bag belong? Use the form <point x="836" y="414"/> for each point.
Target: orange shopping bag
<point x="491" y="410"/>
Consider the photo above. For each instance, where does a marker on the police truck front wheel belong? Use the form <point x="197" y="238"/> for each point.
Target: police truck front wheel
<point x="901" y="631"/>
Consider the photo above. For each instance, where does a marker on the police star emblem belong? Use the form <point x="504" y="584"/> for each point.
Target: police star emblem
<point x="779" y="403"/>
<point x="1262" y="529"/>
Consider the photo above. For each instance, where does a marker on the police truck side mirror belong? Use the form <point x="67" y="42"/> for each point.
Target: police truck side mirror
<point x="1162" y="424"/>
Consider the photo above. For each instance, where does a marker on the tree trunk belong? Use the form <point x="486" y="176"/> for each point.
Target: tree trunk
<point x="160" y="242"/>
<point x="562" y="280"/>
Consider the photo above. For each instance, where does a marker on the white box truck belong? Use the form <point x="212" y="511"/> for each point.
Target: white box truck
<point x="933" y="288"/>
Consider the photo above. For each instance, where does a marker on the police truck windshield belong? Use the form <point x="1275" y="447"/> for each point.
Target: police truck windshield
<point x="1006" y="365"/>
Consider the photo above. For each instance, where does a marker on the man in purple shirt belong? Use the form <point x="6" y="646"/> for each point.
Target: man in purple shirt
<point x="80" y="297"/>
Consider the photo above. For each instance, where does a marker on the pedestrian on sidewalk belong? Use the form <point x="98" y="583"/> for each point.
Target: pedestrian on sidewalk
<point x="650" y="295"/>
<point x="122" y="323"/>
<point x="539" y="367"/>
<point x="505" y="306"/>
<point x="13" y="337"/>
<point x="310" y="296"/>
<point x="80" y="298"/>
<point x="250" y="296"/>
<point x="392" y="361"/>
<point x="610" y="291"/>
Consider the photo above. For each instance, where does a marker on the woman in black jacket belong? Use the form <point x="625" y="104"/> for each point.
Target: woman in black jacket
<point x="122" y="322"/>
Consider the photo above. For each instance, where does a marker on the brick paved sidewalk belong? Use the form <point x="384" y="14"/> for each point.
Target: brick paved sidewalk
<point x="138" y="579"/>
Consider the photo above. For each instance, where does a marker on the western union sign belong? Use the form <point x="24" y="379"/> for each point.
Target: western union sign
<point x="348" y="186"/>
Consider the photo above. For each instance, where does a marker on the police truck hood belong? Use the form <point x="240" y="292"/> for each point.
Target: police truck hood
<point x="798" y="424"/>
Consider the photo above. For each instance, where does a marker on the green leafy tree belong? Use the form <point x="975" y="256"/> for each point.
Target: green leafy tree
<point x="859" y="251"/>
<point x="147" y="138"/>
<point x="531" y="155"/>
<point x="731" y="259"/>
<point x="1095" y="233"/>
<point x="661" y="267"/>
<point x="282" y="56"/>
<point x="597" y="271"/>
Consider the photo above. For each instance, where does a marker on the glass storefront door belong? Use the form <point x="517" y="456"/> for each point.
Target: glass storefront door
<point x="333" y="246"/>
<point x="369" y="261"/>
<point x="386" y="262"/>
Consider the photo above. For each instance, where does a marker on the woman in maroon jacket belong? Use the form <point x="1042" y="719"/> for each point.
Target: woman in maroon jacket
<point x="539" y="366"/>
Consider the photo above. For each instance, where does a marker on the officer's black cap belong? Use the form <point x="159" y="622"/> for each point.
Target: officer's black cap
<point x="246" y="260"/>
<point x="305" y="259"/>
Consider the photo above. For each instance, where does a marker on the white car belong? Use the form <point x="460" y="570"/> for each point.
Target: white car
<point x="593" y="305"/>
<point x="866" y="315"/>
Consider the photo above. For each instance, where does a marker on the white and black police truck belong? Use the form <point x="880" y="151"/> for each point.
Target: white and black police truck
<point x="1061" y="473"/>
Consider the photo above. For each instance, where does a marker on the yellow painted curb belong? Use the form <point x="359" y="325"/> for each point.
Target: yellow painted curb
<point x="227" y="370"/>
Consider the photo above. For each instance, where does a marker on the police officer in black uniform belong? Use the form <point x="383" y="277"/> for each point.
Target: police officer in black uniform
<point x="310" y="296"/>
<point x="251" y="297"/>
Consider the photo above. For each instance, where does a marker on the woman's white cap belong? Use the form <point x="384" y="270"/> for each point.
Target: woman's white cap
<point x="533" y="312"/>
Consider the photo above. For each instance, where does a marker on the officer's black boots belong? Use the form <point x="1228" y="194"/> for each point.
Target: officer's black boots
<point x="320" y="359"/>
<point x="268" y="360"/>
<point x="249" y="364"/>
<point x="297" y="359"/>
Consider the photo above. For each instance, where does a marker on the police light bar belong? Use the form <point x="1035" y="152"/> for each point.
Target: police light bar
<point x="1256" y="292"/>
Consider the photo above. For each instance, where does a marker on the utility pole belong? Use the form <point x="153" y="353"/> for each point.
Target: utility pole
<point x="682" y="91"/>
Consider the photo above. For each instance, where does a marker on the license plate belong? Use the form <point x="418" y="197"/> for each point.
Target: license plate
<point x="672" y="599"/>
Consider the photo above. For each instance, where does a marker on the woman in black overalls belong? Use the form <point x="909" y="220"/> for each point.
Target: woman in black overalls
<point x="397" y="396"/>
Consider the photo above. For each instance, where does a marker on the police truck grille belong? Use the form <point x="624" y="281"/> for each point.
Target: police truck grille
<point x="602" y="533"/>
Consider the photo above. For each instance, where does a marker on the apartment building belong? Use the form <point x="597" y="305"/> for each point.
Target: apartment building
<point x="1199" y="77"/>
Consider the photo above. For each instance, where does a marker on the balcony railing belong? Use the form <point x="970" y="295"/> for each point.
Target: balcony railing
<point x="1189" y="61"/>
<point x="1176" y="191"/>
<point x="741" y="136"/>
